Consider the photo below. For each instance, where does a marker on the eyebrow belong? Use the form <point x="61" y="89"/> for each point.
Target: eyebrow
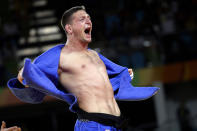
<point x="85" y="16"/>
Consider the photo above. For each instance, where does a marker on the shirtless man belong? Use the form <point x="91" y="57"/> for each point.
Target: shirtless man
<point x="82" y="73"/>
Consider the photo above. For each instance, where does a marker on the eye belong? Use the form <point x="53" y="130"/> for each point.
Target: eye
<point x="81" y="19"/>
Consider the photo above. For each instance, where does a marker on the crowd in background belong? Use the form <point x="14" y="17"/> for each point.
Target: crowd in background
<point x="136" y="34"/>
<point x="150" y="33"/>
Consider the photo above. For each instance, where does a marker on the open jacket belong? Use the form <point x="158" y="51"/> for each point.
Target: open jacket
<point x="41" y="76"/>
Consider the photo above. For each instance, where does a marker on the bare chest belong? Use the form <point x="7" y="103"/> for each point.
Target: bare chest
<point x="77" y="62"/>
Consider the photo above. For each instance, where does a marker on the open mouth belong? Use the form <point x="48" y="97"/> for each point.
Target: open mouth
<point x="87" y="30"/>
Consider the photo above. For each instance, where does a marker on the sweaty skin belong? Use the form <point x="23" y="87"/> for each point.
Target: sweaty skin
<point x="84" y="74"/>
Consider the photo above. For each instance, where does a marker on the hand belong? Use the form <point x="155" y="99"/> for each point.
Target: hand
<point x="131" y="73"/>
<point x="14" y="128"/>
<point x="20" y="77"/>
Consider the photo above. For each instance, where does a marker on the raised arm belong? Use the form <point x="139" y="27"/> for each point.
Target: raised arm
<point x="18" y="88"/>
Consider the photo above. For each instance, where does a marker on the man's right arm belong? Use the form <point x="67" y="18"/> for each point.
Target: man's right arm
<point x="18" y="85"/>
<point x="39" y="75"/>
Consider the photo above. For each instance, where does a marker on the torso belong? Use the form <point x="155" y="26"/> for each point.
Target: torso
<point x="84" y="74"/>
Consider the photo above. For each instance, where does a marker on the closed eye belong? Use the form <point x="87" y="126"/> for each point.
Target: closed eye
<point x="82" y="18"/>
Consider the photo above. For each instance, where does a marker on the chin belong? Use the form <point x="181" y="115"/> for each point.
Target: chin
<point x="87" y="41"/>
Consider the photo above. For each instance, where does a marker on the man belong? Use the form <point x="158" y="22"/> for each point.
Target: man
<point x="86" y="80"/>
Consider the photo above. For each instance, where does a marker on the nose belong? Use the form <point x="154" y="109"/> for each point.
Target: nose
<point x="88" y="21"/>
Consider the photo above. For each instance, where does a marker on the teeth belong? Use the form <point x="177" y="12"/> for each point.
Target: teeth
<point x="87" y="26"/>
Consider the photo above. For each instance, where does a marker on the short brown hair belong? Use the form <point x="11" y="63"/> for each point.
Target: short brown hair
<point x="68" y="13"/>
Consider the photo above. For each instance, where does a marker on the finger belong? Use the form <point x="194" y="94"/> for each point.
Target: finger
<point x="3" y="125"/>
<point x="130" y="71"/>
<point x="132" y="75"/>
<point x="14" y="128"/>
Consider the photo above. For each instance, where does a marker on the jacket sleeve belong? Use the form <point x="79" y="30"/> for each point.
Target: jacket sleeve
<point x="121" y="83"/>
<point x="113" y="70"/>
<point x="29" y="95"/>
<point x="127" y="92"/>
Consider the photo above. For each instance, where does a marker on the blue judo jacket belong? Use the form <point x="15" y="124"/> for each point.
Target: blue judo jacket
<point x="41" y="76"/>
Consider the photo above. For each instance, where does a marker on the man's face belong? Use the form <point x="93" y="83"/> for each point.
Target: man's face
<point x="81" y="26"/>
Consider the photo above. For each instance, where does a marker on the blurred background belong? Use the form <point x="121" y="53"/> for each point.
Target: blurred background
<point x="157" y="38"/>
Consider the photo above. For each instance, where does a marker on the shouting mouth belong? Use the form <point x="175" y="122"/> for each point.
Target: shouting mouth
<point x="87" y="31"/>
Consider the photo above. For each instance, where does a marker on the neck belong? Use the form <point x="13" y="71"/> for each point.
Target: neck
<point x="76" y="45"/>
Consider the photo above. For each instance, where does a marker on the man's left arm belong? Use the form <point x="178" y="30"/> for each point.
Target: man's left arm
<point x="121" y="83"/>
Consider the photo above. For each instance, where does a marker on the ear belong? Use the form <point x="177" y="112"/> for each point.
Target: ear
<point x="68" y="28"/>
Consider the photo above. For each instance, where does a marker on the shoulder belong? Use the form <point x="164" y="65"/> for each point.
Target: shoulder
<point x="93" y="51"/>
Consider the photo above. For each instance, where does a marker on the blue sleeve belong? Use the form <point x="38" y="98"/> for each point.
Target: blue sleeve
<point x="41" y="76"/>
<point x="113" y="70"/>
<point x="29" y="95"/>
<point x="121" y="83"/>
